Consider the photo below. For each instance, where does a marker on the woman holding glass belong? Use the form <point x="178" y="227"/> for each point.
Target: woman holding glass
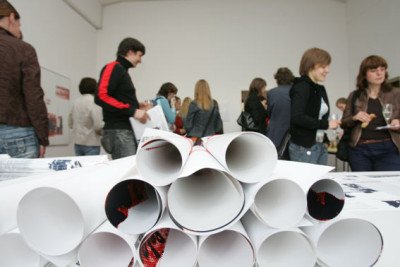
<point x="374" y="119"/>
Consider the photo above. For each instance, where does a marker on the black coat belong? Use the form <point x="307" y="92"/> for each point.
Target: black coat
<point x="257" y="111"/>
<point x="306" y="103"/>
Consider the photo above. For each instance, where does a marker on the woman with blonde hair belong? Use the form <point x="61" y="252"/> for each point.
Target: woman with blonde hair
<point x="184" y="109"/>
<point x="203" y="118"/>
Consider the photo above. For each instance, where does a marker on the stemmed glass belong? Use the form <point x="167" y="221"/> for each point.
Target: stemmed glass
<point x="387" y="112"/>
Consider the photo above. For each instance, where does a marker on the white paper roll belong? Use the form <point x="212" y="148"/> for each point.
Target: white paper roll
<point x="14" y="252"/>
<point x="325" y="197"/>
<point x="280" y="203"/>
<point x="208" y="199"/>
<point x="279" y="247"/>
<point x="54" y="219"/>
<point x="231" y="247"/>
<point x="107" y="247"/>
<point x="134" y="206"/>
<point x="161" y="156"/>
<point x="346" y="242"/>
<point x="248" y="156"/>
<point x="166" y="245"/>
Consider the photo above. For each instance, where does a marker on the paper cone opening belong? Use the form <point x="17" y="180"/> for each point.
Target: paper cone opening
<point x="50" y="221"/>
<point x="159" y="161"/>
<point x="286" y="248"/>
<point x="226" y="249"/>
<point x="105" y="250"/>
<point x="15" y="252"/>
<point x="133" y="206"/>
<point x="251" y="157"/>
<point x="350" y="242"/>
<point x="280" y="203"/>
<point x="325" y="199"/>
<point x="205" y="201"/>
<point x="168" y="248"/>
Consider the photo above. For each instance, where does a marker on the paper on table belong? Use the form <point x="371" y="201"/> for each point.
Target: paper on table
<point x="107" y="247"/>
<point x="15" y="252"/>
<point x="231" y="247"/>
<point x="157" y="121"/>
<point x="273" y="245"/>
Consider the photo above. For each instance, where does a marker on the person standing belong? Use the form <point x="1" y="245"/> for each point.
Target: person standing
<point x="116" y="94"/>
<point x="202" y="111"/>
<point x="86" y="120"/>
<point x="166" y="99"/>
<point x="254" y="106"/>
<point x="278" y="102"/>
<point x="310" y="109"/>
<point x="24" y="126"/>
<point x="373" y="148"/>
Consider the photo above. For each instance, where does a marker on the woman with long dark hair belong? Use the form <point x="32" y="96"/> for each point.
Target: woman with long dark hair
<point x="255" y="107"/>
<point x="375" y="140"/>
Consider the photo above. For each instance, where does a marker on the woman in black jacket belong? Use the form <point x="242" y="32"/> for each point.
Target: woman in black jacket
<point x="310" y="109"/>
<point x="255" y="107"/>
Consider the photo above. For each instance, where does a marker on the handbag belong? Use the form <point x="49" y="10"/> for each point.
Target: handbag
<point x="246" y="121"/>
<point x="342" y="152"/>
<point x="283" y="148"/>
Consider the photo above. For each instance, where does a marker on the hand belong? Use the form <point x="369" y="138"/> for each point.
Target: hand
<point x="395" y="122"/>
<point x="173" y="101"/>
<point x="146" y="105"/>
<point x="141" y="115"/>
<point x="42" y="151"/>
<point x="362" y="116"/>
<point x="334" y="124"/>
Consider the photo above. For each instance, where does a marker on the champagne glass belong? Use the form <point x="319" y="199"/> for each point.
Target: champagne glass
<point x="387" y="112"/>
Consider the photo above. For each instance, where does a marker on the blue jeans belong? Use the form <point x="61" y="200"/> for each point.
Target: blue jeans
<point x="317" y="154"/>
<point x="382" y="156"/>
<point x="18" y="142"/>
<point x="81" y="150"/>
<point x="119" y="143"/>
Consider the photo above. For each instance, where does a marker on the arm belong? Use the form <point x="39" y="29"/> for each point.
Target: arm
<point x="190" y="116"/>
<point x="107" y="90"/>
<point x="168" y="111"/>
<point x="97" y="118"/>
<point x="34" y="95"/>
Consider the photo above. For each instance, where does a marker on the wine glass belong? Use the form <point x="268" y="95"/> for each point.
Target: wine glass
<point x="387" y="112"/>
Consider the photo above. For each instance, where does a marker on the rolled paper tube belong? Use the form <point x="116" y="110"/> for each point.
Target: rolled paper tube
<point x="68" y="209"/>
<point x="280" y="203"/>
<point x="15" y="252"/>
<point x="231" y="247"/>
<point x="166" y="245"/>
<point x="279" y="247"/>
<point x="325" y="199"/>
<point x="161" y="156"/>
<point x="134" y="206"/>
<point x="248" y="156"/>
<point x="107" y="247"/>
<point x="346" y="242"/>
<point x="208" y="199"/>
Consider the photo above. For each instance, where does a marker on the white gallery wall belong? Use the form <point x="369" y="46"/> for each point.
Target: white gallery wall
<point x="226" y="42"/>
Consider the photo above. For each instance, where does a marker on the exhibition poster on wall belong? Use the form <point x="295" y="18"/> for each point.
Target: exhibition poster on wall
<point x="57" y="98"/>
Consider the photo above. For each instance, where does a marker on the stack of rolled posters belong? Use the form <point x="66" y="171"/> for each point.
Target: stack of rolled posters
<point x="226" y="202"/>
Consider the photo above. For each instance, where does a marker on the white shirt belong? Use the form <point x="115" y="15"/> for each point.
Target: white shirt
<point x="86" y="121"/>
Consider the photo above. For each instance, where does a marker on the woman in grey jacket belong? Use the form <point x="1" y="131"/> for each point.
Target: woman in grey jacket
<point x="200" y="110"/>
